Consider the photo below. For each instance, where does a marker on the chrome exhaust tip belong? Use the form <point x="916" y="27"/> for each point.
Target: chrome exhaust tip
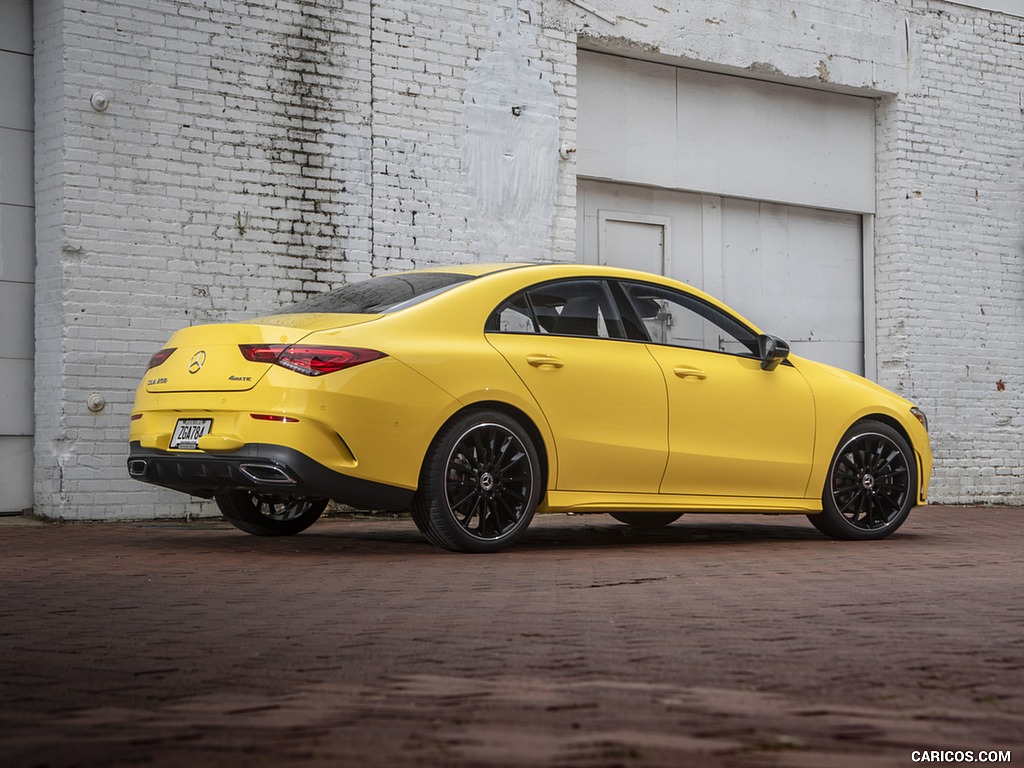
<point x="137" y="467"/>
<point x="267" y="474"/>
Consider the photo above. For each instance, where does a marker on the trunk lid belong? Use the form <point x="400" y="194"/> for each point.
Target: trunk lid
<point x="207" y="358"/>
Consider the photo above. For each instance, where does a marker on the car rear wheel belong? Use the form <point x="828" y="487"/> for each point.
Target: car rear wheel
<point x="646" y="521"/>
<point x="263" y="515"/>
<point x="480" y="485"/>
<point x="871" y="484"/>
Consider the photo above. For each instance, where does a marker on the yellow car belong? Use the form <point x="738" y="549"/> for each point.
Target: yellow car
<point x="476" y="395"/>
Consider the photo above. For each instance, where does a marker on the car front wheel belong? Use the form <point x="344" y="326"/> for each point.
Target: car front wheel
<point x="871" y="484"/>
<point x="480" y="484"/>
<point x="269" y="515"/>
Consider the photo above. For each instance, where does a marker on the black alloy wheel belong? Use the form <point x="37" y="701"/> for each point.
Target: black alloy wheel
<point x="480" y="484"/>
<point x="871" y="484"/>
<point x="263" y="515"/>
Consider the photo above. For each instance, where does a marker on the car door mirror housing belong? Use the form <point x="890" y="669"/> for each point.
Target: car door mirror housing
<point x="773" y="351"/>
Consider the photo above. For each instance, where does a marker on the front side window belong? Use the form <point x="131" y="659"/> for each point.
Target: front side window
<point x="562" y="308"/>
<point x="681" y="320"/>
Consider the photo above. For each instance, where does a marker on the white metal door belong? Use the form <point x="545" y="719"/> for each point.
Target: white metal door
<point x="645" y="236"/>
<point x="640" y="227"/>
<point x="674" y="128"/>
<point x="799" y="271"/>
<point x="796" y="272"/>
<point x="757" y="192"/>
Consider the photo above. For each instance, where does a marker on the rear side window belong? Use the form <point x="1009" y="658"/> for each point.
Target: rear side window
<point x="564" y="308"/>
<point x="378" y="295"/>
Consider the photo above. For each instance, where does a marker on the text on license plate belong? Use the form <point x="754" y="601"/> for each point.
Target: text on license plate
<point x="188" y="431"/>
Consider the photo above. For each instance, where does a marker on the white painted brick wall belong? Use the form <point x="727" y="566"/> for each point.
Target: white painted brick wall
<point x="950" y="247"/>
<point x="223" y="117"/>
<point x="252" y="152"/>
<point x="258" y="150"/>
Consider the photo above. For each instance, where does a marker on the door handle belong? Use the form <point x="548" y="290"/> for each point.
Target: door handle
<point x="686" y="372"/>
<point x="544" y="361"/>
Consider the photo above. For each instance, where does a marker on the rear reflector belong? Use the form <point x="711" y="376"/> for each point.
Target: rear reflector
<point x="160" y="357"/>
<point x="309" y="360"/>
<point x="273" y="417"/>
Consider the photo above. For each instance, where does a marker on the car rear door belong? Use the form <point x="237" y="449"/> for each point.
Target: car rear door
<point x="603" y="397"/>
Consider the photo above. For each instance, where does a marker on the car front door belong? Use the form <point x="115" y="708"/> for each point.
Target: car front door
<point x="734" y="428"/>
<point x="603" y="397"/>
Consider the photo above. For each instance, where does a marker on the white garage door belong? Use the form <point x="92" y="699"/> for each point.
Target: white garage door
<point x="755" y="192"/>
<point x="796" y="272"/>
<point x="17" y="256"/>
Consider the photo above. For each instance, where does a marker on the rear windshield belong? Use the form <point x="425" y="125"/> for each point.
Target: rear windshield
<point x="378" y="295"/>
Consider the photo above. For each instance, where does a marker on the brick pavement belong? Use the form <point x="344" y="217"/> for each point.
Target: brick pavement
<point x="728" y="641"/>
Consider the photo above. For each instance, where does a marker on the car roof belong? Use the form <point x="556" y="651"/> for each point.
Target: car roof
<point x="558" y="270"/>
<point x="475" y="270"/>
<point x="569" y="270"/>
<point x="561" y="268"/>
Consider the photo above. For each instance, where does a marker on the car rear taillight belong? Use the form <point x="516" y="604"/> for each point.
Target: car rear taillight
<point x="309" y="360"/>
<point x="160" y="357"/>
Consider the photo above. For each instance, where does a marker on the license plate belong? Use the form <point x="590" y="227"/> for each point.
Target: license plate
<point x="187" y="433"/>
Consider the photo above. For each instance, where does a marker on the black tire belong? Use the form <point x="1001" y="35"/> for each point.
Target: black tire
<point x="480" y="484"/>
<point x="421" y="524"/>
<point x="646" y="521"/>
<point x="871" y="484"/>
<point x="269" y="515"/>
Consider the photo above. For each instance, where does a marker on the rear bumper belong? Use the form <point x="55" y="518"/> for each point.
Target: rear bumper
<point x="269" y="469"/>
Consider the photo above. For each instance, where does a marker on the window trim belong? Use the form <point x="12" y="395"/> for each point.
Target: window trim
<point x="630" y="321"/>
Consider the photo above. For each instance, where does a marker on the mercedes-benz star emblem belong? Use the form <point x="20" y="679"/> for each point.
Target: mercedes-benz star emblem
<point x="197" y="362"/>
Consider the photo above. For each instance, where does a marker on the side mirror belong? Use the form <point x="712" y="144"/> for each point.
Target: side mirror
<point x="773" y="351"/>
